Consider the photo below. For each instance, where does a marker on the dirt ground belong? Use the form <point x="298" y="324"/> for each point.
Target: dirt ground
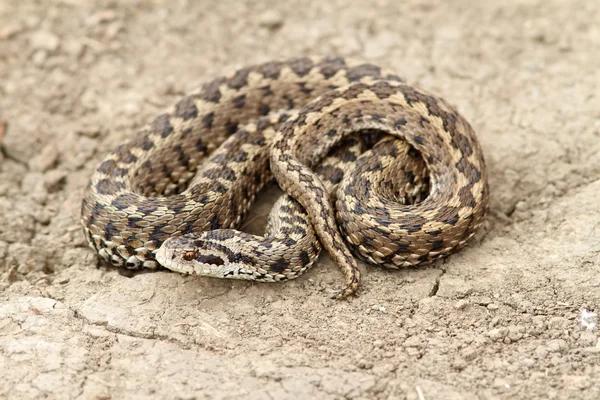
<point x="510" y="317"/>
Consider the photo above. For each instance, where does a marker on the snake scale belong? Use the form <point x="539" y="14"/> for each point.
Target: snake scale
<point x="370" y="165"/>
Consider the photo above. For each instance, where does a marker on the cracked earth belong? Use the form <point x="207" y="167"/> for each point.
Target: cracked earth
<point x="512" y="316"/>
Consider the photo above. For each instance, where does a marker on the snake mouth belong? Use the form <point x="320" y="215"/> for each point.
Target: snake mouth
<point x="165" y="256"/>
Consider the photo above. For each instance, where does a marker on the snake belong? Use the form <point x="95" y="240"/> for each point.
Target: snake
<point x="372" y="169"/>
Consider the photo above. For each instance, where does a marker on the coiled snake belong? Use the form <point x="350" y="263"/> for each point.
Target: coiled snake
<point x="175" y="192"/>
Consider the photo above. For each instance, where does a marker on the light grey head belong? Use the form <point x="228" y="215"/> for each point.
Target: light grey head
<point x="195" y="255"/>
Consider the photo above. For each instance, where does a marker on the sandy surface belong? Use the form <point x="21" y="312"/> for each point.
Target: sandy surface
<point x="509" y="317"/>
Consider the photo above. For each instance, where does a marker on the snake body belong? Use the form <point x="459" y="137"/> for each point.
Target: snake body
<point x="175" y="192"/>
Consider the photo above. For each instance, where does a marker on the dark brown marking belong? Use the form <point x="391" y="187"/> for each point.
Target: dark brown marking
<point x="304" y="258"/>
<point x="279" y="265"/>
<point x="210" y="259"/>
<point x="122" y="201"/>
<point x="239" y="156"/>
<point x="330" y="66"/>
<point x="223" y="172"/>
<point x="288" y="241"/>
<point x="200" y="146"/>
<point x="262" y="124"/>
<point x="148" y="207"/>
<point x="466" y="196"/>
<point x="108" y="186"/>
<point x="393" y="77"/>
<point x="416" y="223"/>
<point x="211" y="91"/>
<point x="107" y="166"/>
<point x="447" y="215"/>
<point x="186" y="132"/>
<point x="363" y="70"/>
<point x="240" y="79"/>
<point x="124" y="155"/>
<point x="264" y="109"/>
<point x="437" y="244"/>
<point x="383" y="89"/>
<point x="301" y="66"/>
<point x="271" y="69"/>
<point x="399" y="122"/>
<point x="239" y="101"/>
<point x="267" y="91"/>
<point x="161" y="125"/>
<point x="331" y="173"/>
<point x="257" y="140"/>
<point x="143" y="140"/>
<point x="207" y="120"/>
<point x="304" y="89"/>
<point x="231" y="128"/>
<point x="186" y="108"/>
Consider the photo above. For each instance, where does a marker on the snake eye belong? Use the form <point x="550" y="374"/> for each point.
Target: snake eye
<point x="189" y="255"/>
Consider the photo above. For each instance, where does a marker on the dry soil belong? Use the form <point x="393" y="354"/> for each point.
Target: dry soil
<point x="510" y="317"/>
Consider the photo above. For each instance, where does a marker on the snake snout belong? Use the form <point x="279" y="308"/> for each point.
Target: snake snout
<point x="165" y="256"/>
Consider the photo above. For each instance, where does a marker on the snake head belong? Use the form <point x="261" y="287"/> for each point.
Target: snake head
<point x="199" y="255"/>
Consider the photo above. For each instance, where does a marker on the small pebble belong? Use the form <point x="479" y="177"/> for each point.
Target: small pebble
<point x="413" y="341"/>
<point x="541" y="352"/>
<point x="557" y="345"/>
<point x="577" y="382"/>
<point x="485" y="301"/>
<point x="557" y="322"/>
<point x="539" y="321"/>
<point x="515" y="333"/>
<point x="459" y="363"/>
<point x="592" y="350"/>
<point x="529" y="362"/>
<point x="461" y="304"/>
<point x="501" y="383"/>
<point x="271" y="19"/>
<point x="102" y="17"/>
<point x="9" y="31"/>
<point x="27" y="258"/>
<point x="469" y="354"/>
<point x="74" y="48"/>
<point x="498" y="334"/>
<point x="33" y="184"/>
<point x="39" y="58"/>
<point x="378" y="308"/>
<point x="44" y="40"/>
<point x="44" y="160"/>
<point x="587" y="338"/>
<point x="54" y="180"/>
